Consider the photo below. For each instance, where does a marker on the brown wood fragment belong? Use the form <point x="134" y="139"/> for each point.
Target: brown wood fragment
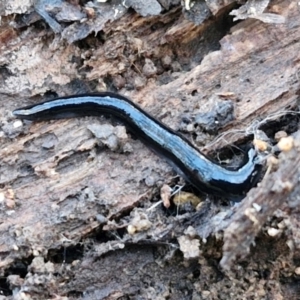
<point x="260" y="204"/>
<point x="67" y="197"/>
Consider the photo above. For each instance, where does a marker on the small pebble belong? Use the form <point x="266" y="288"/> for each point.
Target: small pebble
<point x="176" y="67"/>
<point x="286" y="143"/>
<point x="119" y="82"/>
<point x="149" y="68"/>
<point x="166" y="61"/>
<point x="17" y="124"/>
<point x="15" y="247"/>
<point x="139" y="82"/>
<point x="260" y="145"/>
<point x="131" y="229"/>
<point x="257" y="207"/>
<point x="279" y="135"/>
<point x="165" y="194"/>
<point x="273" y="232"/>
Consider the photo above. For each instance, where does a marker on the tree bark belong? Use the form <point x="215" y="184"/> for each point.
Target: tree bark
<point x="69" y="200"/>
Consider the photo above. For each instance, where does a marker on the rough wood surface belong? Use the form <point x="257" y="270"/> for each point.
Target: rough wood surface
<point x="68" y="198"/>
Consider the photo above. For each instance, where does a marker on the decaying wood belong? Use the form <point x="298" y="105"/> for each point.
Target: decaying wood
<point x="261" y="203"/>
<point x="79" y="214"/>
